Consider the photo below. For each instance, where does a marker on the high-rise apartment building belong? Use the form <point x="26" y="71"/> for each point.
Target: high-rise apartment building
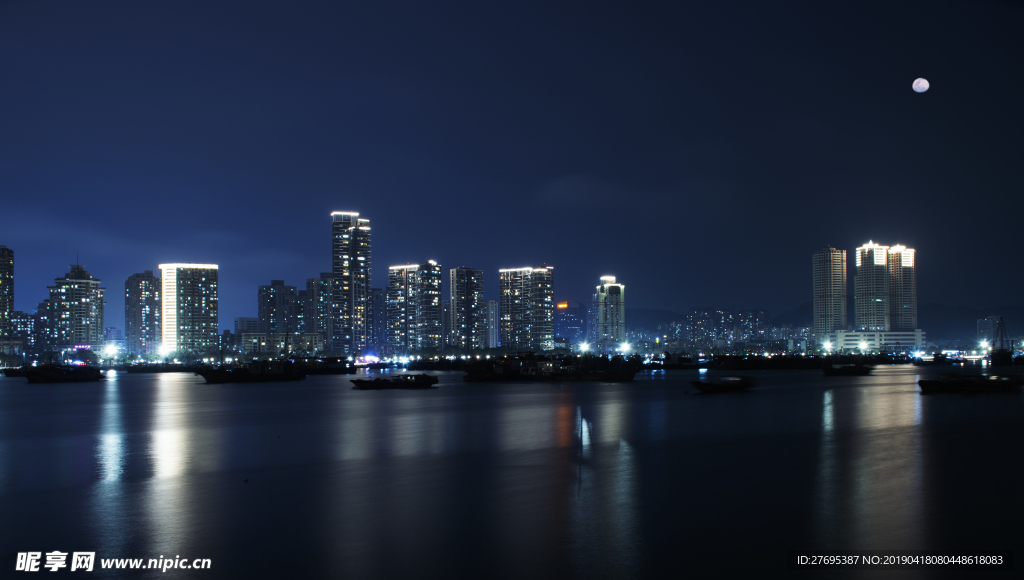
<point x="317" y="306"/>
<point x="350" y="255"/>
<point x="278" y="308"/>
<point x="189" y="308"/>
<point x="902" y="289"/>
<point x="468" y="319"/>
<point x="570" y="322"/>
<point x="6" y="289"/>
<point x="611" y="311"/>
<point x="871" y="288"/>
<point x="76" y="310"/>
<point x="829" y="275"/>
<point x="527" y="308"/>
<point x="493" y="324"/>
<point x="142" y="314"/>
<point x="246" y="324"/>
<point x="415" y="312"/>
<point x="377" y="319"/>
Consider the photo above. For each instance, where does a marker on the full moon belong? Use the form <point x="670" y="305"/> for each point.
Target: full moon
<point x="921" y="85"/>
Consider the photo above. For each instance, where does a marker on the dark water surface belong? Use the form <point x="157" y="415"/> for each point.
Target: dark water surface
<point x="585" y="480"/>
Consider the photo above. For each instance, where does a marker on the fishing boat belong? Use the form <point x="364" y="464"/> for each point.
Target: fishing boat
<point x="254" y="372"/>
<point x="420" y="381"/>
<point x="62" y="374"/>
<point x="14" y="372"/>
<point x="724" y="385"/>
<point x="971" y="384"/>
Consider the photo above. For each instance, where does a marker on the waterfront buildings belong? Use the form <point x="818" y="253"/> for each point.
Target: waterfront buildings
<point x="317" y="306"/>
<point x="493" y="324"/>
<point x="875" y="341"/>
<point x="76" y="310"/>
<point x="829" y="273"/>
<point x="142" y="314"/>
<point x="189" y="308"/>
<point x="610" y="299"/>
<point x="414" y="309"/>
<point x="350" y="255"/>
<point x="527" y="308"/>
<point x="280" y="344"/>
<point x="6" y="289"/>
<point x="902" y="288"/>
<point x="468" y="320"/>
<point x="871" y="288"/>
<point x="570" y="322"/>
<point x="278" y="308"/>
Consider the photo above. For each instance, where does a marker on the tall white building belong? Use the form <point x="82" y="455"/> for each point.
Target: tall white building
<point x="829" y="266"/>
<point x="527" y="308"/>
<point x="76" y="303"/>
<point x="902" y="289"/>
<point x="871" y="288"/>
<point x="189" y="308"/>
<point x="611" y="312"/>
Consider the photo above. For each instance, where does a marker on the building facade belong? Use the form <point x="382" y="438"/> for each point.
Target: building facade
<point x="527" y="308"/>
<point x="415" y="313"/>
<point x="829" y="274"/>
<point x="6" y="289"/>
<point x="189" y="309"/>
<point x="377" y="320"/>
<point x="350" y="256"/>
<point x="493" y="324"/>
<point x="902" y="288"/>
<point x="570" y="322"/>
<point x="876" y="341"/>
<point x="142" y="314"/>
<point x="278" y="308"/>
<point x="871" y="288"/>
<point x="611" y="312"/>
<point x="76" y="310"/>
<point x="468" y="318"/>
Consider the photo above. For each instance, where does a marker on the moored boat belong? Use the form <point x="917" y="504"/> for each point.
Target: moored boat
<point x="62" y="374"/>
<point x="420" y="381"/>
<point x="254" y="372"/>
<point x="14" y="372"/>
<point x="846" y="370"/>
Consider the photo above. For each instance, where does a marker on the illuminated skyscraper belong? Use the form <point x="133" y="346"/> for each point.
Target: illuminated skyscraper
<point x="189" y="308"/>
<point x="527" y="308"/>
<point x="611" y="312"/>
<point x="142" y="314"/>
<point x="871" y="288"/>
<point x="829" y="265"/>
<point x="468" y="317"/>
<point x="278" y="308"/>
<point x="76" y="310"/>
<point x="350" y="255"/>
<point x="6" y="289"/>
<point x="414" y="319"/>
<point x="902" y="289"/>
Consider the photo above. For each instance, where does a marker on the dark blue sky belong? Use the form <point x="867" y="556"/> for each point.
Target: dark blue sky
<point x="700" y="153"/>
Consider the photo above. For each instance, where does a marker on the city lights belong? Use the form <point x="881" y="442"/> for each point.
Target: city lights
<point x="584" y="347"/>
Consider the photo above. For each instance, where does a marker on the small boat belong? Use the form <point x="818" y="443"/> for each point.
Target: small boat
<point x="853" y="370"/>
<point x="14" y="372"/>
<point x="62" y="374"/>
<point x="971" y="384"/>
<point x="724" y="385"/>
<point x="254" y="372"/>
<point x="420" y="381"/>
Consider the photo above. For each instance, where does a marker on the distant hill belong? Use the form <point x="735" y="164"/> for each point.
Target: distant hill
<point x="800" y="316"/>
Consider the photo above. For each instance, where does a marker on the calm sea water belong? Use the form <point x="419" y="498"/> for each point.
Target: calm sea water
<point x="581" y="480"/>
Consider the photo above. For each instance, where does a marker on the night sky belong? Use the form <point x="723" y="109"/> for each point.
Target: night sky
<point x="698" y="151"/>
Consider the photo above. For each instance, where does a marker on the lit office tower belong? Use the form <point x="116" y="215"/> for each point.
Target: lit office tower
<point x="829" y="275"/>
<point x="414" y="309"/>
<point x="527" y="308"/>
<point x="493" y="324"/>
<point x="189" y="308"/>
<point x="611" y="311"/>
<point x="871" y="288"/>
<point x="277" y="308"/>
<point x="76" y="309"/>
<point x="902" y="289"/>
<point x="350" y="255"/>
<point x="466" y="299"/>
<point x="6" y="289"/>
<point x="316" y="307"/>
<point x="142" y="313"/>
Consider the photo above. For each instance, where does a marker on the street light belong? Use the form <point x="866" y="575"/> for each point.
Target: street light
<point x="828" y="346"/>
<point x="863" y="346"/>
<point x="584" y="347"/>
